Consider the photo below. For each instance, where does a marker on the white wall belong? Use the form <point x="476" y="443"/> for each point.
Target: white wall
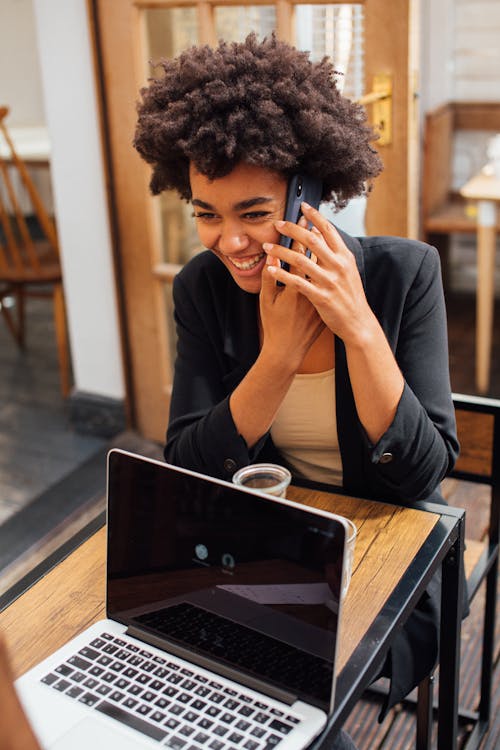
<point x="437" y="48"/>
<point x="20" y="82"/>
<point x="79" y="194"/>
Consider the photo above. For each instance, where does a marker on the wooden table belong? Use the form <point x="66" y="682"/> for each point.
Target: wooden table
<point x="485" y="189"/>
<point x="397" y="551"/>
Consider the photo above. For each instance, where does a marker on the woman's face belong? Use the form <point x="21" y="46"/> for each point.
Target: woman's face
<point x="236" y="214"/>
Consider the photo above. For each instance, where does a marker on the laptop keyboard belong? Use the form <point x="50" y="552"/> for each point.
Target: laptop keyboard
<point x="237" y="644"/>
<point x="178" y="706"/>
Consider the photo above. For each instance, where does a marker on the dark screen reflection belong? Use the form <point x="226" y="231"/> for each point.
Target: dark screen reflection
<point x="243" y="580"/>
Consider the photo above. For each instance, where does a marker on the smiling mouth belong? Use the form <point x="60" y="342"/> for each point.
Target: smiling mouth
<point x="248" y="263"/>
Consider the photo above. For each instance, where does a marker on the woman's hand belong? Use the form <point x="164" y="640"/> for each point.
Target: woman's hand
<point x="289" y="322"/>
<point x="330" y="279"/>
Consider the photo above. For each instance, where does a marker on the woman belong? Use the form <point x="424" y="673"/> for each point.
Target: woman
<point x="341" y="372"/>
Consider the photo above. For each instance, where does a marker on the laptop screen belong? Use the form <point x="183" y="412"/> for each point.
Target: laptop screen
<point x="245" y="584"/>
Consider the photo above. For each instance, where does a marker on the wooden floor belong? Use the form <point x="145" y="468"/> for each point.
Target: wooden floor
<point x="41" y="458"/>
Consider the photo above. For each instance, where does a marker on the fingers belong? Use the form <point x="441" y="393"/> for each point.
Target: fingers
<point x="321" y="239"/>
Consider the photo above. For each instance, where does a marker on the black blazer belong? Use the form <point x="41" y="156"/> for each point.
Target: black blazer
<point x="218" y="342"/>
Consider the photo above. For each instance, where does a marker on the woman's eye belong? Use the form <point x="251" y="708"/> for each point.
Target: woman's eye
<point x="254" y="215"/>
<point x="205" y="216"/>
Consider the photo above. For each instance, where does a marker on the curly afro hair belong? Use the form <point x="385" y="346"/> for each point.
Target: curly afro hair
<point x="264" y="103"/>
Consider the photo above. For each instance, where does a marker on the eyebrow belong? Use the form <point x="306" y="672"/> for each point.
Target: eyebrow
<point x="249" y="203"/>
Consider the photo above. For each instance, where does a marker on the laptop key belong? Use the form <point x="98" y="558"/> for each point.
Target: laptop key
<point x="49" y="679"/>
<point x="280" y="726"/>
<point x="78" y="676"/>
<point x="251" y="745"/>
<point x="131" y="720"/>
<point x="186" y="731"/>
<point x="205" y="723"/>
<point x="162" y="702"/>
<point x="78" y="662"/>
<point x="89" y="699"/>
<point x="156" y="685"/>
<point x="213" y="711"/>
<point x="246" y="711"/>
<point x="91" y="683"/>
<point x="103" y="689"/>
<point x="130" y="702"/>
<point x="258" y="732"/>
<point x="216" y="745"/>
<point x="198" y="705"/>
<point x="64" y="669"/>
<point x="116" y="696"/>
<point x="143" y="709"/>
<point x="172" y="723"/>
<point x="74" y="691"/>
<point x="235" y="737"/>
<point x="272" y="741"/>
<point x="98" y="643"/>
<point x="175" y="742"/>
<point x="157" y="716"/>
<point x="261" y="717"/>
<point x="62" y="685"/>
<point x="201" y="737"/>
<point x="96" y="671"/>
<point x="135" y="689"/>
<point x="105" y="660"/>
<point x="89" y="653"/>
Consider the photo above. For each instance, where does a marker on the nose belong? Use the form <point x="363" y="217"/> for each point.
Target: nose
<point x="232" y="239"/>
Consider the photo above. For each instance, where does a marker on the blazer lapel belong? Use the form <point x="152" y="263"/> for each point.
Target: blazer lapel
<point x="349" y="428"/>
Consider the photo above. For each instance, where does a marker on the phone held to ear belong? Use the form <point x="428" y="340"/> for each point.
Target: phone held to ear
<point x="300" y="188"/>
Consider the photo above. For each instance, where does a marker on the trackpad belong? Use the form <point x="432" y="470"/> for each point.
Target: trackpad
<point x="92" y="733"/>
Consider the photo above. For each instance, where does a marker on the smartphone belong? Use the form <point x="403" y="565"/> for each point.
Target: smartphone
<point x="301" y="187"/>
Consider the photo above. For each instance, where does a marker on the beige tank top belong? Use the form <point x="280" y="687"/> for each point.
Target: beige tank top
<point x="305" y="428"/>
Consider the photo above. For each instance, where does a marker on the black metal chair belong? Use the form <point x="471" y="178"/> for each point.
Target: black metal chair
<point x="478" y="423"/>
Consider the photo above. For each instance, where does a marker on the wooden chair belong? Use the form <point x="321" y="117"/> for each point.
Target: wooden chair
<point x="478" y="424"/>
<point x="444" y="211"/>
<point x="28" y="266"/>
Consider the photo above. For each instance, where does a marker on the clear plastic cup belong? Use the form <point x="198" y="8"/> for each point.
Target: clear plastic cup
<point x="269" y="478"/>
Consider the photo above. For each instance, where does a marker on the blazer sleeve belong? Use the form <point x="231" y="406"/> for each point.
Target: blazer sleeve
<point x="201" y="434"/>
<point x="420" y="447"/>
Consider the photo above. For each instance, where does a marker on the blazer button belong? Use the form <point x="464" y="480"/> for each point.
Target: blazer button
<point x="229" y="465"/>
<point x="385" y="458"/>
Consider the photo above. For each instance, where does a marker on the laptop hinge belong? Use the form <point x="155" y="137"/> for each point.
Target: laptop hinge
<point x="155" y="640"/>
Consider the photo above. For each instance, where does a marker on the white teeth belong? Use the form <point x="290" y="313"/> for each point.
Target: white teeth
<point x="246" y="265"/>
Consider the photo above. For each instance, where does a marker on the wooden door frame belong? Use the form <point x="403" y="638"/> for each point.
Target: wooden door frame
<point x="118" y="26"/>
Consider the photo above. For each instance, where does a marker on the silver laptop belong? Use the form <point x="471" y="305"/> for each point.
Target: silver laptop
<point x="223" y="607"/>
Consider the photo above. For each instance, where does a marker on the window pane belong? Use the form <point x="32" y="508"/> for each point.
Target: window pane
<point x="169" y="31"/>
<point x="234" y="23"/>
<point x="335" y="31"/>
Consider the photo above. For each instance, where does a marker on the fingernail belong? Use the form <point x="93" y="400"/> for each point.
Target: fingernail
<point x="267" y="246"/>
<point x="271" y="269"/>
<point x="279" y="224"/>
<point x="305" y="205"/>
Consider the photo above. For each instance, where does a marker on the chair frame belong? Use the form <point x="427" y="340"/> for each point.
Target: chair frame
<point x="485" y="570"/>
<point x="21" y="272"/>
